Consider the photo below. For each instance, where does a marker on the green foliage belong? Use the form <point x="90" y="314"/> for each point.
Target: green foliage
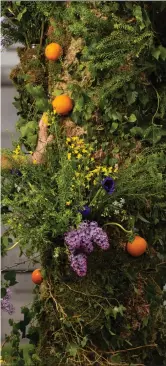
<point x="113" y="67"/>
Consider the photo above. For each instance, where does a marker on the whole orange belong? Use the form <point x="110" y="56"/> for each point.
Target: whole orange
<point x="37" y="277"/>
<point x="53" y="51"/>
<point x="6" y="163"/>
<point x="62" y="104"/>
<point x="137" y="247"/>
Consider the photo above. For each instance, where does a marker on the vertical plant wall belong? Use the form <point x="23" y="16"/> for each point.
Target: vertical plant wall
<point x="88" y="195"/>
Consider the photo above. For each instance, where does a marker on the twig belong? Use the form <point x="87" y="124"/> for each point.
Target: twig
<point x="42" y="31"/>
<point x="58" y="306"/>
<point x="131" y="349"/>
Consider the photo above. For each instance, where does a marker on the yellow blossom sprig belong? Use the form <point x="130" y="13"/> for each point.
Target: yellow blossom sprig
<point x="17" y="151"/>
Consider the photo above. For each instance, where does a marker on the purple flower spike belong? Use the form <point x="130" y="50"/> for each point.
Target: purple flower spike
<point x="108" y="184"/>
<point x="73" y="240"/>
<point x="6" y="304"/>
<point x="86" y="211"/>
<point x="79" y="264"/>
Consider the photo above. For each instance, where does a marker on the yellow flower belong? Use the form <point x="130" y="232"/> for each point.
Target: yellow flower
<point x="77" y="174"/>
<point x="84" y="151"/>
<point x="45" y="118"/>
<point x="31" y="152"/>
<point x="68" y="139"/>
<point x="110" y="169"/>
<point x="75" y="152"/>
<point x="79" y="156"/>
<point x="90" y="148"/>
<point x="104" y="169"/>
<point x="68" y="203"/>
<point x="34" y="161"/>
<point x="69" y="156"/>
<point x="75" y="138"/>
<point x="86" y="168"/>
<point x="92" y="159"/>
<point x="17" y="150"/>
<point x="54" y="111"/>
<point x="115" y="170"/>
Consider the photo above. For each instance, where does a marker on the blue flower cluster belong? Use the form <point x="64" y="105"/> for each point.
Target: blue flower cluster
<point x="81" y="243"/>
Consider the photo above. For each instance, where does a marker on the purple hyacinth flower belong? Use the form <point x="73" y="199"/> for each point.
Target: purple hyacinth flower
<point x="86" y="211"/>
<point x="6" y="304"/>
<point x="99" y="236"/>
<point x="108" y="184"/>
<point x="79" y="264"/>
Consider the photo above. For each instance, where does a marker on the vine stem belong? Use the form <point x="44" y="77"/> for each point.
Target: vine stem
<point x="13" y="246"/>
<point x="121" y="227"/>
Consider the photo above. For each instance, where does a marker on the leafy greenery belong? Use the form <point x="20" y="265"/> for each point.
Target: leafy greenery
<point x="113" y="67"/>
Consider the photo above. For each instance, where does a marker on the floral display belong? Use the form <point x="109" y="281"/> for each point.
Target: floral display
<point x="82" y="241"/>
<point x="83" y="188"/>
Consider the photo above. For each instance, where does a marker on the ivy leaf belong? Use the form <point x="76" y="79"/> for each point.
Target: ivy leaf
<point x="84" y="341"/>
<point x="160" y="51"/>
<point x="136" y="131"/>
<point x="132" y="118"/>
<point x="114" y="126"/>
<point x="11" y="277"/>
<point x="131" y="97"/>
<point x="72" y="349"/>
<point x="116" y="359"/>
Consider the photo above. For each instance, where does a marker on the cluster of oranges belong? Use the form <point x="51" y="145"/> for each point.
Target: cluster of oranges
<point x="62" y="104"/>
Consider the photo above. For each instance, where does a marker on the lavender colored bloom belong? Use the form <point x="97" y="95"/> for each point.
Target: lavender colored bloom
<point x="108" y="184"/>
<point x="86" y="211"/>
<point x="73" y="240"/>
<point x="79" y="264"/>
<point x="80" y="242"/>
<point x="6" y="304"/>
<point x="99" y="236"/>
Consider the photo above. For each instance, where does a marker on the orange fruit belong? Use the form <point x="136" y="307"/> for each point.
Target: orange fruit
<point x="53" y="51"/>
<point x="137" y="247"/>
<point x="37" y="277"/>
<point x="62" y="104"/>
<point x="6" y="163"/>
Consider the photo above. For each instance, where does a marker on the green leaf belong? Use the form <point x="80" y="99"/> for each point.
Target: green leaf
<point x="20" y="15"/>
<point x="137" y="12"/>
<point x="84" y="341"/>
<point x="142" y="219"/>
<point x="11" y="277"/>
<point x="131" y="97"/>
<point x="132" y="118"/>
<point x="3" y="292"/>
<point x="116" y="359"/>
<point x="114" y="126"/>
<point x="57" y="92"/>
<point x="160" y="51"/>
<point x="136" y="131"/>
<point x="72" y="349"/>
<point x="30" y="127"/>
